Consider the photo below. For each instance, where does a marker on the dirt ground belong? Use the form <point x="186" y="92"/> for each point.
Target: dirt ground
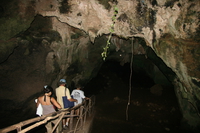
<point x="146" y="113"/>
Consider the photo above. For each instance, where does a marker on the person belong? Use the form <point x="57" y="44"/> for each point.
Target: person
<point x="78" y="94"/>
<point x="60" y="92"/>
<point x="48" y="102"/>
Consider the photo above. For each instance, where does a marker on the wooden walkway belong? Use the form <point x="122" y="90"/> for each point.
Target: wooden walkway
<point x="80" y="125"/>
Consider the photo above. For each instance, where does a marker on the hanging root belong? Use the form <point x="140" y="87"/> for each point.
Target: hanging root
<point x="131" y="67"/>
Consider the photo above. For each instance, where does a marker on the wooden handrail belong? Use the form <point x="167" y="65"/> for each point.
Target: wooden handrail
<point x="45" y="118"/>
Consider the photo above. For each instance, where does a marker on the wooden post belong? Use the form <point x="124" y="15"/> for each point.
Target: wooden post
<point x="18" y="129"/>
<point x="85" y="113"/>
<point x="81" y="116"/>
<point x="56" y="126"/>
<point x="90" y="103"/>
<point x="60" y="126"/>
<point x="71" y="120"/>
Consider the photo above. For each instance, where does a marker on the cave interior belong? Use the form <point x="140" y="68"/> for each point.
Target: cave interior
<point x="140" y="58"/>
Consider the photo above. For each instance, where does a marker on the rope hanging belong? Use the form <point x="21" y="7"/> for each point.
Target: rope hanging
<point x="131" y="67"/>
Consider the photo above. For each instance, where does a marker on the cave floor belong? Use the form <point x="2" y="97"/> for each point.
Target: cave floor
<point x="147" y="113"/>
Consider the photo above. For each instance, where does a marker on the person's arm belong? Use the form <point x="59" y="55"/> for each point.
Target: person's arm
<point x="86" y="98"/>
<point x="55" y="103"/>
<point x="72" y="100"/>
<point x="69" y="97"/>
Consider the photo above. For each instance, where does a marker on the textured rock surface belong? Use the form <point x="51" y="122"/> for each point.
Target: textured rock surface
<point x="64" y="38"/>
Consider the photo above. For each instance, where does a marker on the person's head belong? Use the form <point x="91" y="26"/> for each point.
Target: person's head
<point x="62" y="82"/>
<point x="48" y="90"/>
<point x="78" y="86"/>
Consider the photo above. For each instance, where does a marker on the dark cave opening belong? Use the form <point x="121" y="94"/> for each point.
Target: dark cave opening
<point x="111" y="68"/>
<point x="147" y="112"/>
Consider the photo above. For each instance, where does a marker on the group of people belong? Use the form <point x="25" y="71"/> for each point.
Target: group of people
<point x="49" y="103"/>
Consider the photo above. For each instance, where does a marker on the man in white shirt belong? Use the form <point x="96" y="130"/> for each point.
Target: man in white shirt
<point x="78" y="94"/>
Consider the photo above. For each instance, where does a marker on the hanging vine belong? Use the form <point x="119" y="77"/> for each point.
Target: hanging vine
<point x="105" y="49"/>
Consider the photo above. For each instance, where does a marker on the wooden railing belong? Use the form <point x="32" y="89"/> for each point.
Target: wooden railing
<point x="86" y="110"/>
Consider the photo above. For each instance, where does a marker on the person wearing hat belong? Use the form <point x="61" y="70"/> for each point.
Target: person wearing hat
<point x="61" y="91"/>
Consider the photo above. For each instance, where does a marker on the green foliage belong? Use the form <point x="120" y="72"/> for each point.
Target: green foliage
<point x="105" y="49"/>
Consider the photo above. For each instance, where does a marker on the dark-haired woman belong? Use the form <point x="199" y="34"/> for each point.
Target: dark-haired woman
<point x="48" y="104"/>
